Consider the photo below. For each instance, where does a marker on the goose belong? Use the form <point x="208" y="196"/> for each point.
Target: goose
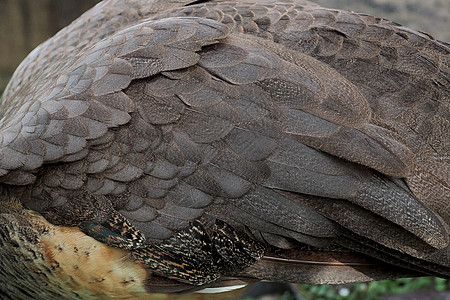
<point x="171" y="146"/>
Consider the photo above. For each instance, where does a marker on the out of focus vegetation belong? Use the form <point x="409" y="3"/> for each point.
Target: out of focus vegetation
<point x="372" y="290"/>
<point x="424" y="288"/>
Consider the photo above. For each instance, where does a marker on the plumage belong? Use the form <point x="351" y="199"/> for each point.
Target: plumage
<point x="189" y="144"/>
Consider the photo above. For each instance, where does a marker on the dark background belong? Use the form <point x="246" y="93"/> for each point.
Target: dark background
<point x="24" y="24"/>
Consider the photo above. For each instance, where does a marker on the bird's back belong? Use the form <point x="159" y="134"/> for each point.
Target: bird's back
<point x="210" y="139"/>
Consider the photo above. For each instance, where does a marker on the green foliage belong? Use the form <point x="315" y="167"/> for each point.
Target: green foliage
<point x="371" y="290"/>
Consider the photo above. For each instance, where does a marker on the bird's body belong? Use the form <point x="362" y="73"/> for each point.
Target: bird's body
<point x="197" y="143"/>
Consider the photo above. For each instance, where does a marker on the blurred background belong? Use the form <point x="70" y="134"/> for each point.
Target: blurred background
<point x="431" y="16"/>
<point x="24" y="24"/>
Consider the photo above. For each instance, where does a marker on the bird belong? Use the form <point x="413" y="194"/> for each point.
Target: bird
<point x="176" y="146"/>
